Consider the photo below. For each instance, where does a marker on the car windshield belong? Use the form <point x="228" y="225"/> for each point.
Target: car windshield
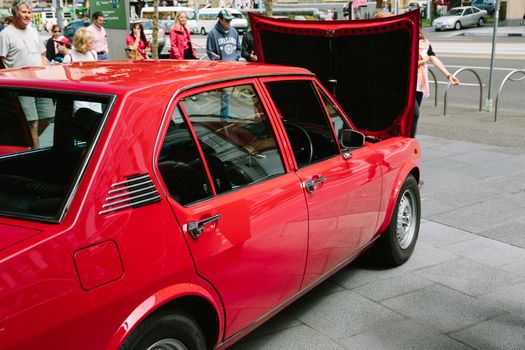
<point x="454" y="12"/>
<point x="39" y="173"/>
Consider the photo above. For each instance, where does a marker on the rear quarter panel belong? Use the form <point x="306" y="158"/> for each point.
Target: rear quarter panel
<point x="43" y="302"/>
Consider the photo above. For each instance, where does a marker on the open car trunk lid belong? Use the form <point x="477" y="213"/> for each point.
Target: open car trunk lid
<point x="370" y="66"/>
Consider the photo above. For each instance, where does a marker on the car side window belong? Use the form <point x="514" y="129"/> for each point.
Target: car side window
<point x="338" y="122"/>
<point x="180" y="164"/>
<point x="39" y="167"/>
<point x="236" y="137"/>
<point x="304" y="120"/>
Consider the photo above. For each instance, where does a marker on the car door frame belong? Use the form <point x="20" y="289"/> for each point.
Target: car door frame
<point x="365" y="152"/>
<point x="197" y="210"/>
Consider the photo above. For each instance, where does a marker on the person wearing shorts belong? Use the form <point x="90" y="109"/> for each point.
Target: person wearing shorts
<point x="20" y="46"/>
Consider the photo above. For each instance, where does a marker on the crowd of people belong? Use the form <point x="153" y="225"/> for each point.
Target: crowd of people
<point x="91" y="43"/>
<point x="20" y="46"/>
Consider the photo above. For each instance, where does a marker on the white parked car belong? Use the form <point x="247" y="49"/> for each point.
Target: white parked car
<point x="459" y="17"/>
<point x="207" y="18"/>
<point x="49" y="19"/>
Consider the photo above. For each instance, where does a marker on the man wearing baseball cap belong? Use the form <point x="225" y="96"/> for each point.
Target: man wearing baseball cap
<point x="224" y="44"/>
<point x="63" y="46"/>
<point x="223" y="40"/>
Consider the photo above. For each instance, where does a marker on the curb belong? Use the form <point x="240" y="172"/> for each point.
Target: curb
<point x="490" y="34"/>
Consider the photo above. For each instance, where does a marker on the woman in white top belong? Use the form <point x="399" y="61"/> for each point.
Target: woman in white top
<point x="83" y="52"/>
<point x="83" y="47"/>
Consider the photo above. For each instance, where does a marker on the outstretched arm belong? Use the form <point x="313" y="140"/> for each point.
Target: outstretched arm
<point x="441" y="67"/>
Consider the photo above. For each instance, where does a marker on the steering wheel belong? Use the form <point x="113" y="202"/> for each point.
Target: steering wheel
<point x="302" y="145"/>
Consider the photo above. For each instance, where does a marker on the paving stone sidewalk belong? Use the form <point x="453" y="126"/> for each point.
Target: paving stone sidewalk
<point x="464" y="286"/>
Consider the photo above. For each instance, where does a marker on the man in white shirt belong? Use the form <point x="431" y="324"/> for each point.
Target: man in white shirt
<point x="20" y="46"/>
<point x="100" y="38"/>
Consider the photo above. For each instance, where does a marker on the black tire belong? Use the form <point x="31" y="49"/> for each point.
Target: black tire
<point x="395" y="246"/>
<point x="166" y="330"/>
<point x="481" y="22"/>
<point x="457" y="26"/>
<point x="203" y="31"/>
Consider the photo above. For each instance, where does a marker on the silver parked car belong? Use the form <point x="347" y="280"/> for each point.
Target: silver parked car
<point x="459" y="17"/>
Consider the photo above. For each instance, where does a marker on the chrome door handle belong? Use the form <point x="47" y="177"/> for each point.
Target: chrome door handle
<point x="311" y="185"/>
<point x="196" y="228"/>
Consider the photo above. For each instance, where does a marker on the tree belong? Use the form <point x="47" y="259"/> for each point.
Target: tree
<point x="268" y="7"/>
<point x="155" y="45"/>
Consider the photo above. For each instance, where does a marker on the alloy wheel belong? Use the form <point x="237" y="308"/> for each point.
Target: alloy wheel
<point x="168" y="344"/>
<point x="406" y="219"/>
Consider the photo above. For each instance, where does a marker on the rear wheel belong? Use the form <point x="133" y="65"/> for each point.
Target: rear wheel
<point x="481" y="22"/>
<point x="395" y="246"/>
<point x="457" y="26"/>
<point x="166" y="330"/>
<point x="203" y="31"/>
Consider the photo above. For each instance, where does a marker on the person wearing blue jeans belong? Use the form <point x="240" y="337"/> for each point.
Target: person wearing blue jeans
<point x="223" y="44"/>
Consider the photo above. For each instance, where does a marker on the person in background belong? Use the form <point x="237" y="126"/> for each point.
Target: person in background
<point x="83" y="51"/>
<point x="248" y="49"/>
<point x="180" y="39"/>
<point x="82" y="47"/>
<point x="426" y="54"/>
<point x="223" y="44"/>
<point x="51" y="47"/>
<point x="20" y="46"/>
<point x="330" y="15"/>
<point x="63" y="46"/>
<point x="223" y="40"/>
<point x="132" y="53"/>
<point x="100" y="38"/>
<point x="136" y="40"/>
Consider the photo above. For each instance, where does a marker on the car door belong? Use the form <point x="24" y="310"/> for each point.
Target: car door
<point x="468" y="17"/>
<point x="242" y="210"/>
<point x="342" y="194"/>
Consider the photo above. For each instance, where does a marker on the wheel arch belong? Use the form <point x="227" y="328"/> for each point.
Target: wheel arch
<point x="194" y="300"/>
<point x="409" y="169"/>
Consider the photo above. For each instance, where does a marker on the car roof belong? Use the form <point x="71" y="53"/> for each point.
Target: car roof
<point x="126" y="76"/>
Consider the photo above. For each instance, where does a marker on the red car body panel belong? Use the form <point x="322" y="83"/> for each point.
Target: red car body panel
<point x="101" y="274"/>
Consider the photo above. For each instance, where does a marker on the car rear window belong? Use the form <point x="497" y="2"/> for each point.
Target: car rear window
<point x="44" y="142"/>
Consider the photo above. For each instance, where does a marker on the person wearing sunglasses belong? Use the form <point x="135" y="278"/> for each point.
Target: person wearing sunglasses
<point x="51" y="45"/>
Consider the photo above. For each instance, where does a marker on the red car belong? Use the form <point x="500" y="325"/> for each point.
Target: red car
<point x="180" y="204"/>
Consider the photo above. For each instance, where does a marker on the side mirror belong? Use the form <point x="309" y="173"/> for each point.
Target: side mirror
<point x="352" y="139"/>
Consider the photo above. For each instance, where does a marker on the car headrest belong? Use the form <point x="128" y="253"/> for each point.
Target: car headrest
<point x="85" y="122"/>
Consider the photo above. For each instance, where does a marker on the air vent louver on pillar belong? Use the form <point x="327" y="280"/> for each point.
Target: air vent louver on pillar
<point x="136" y="191"/>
